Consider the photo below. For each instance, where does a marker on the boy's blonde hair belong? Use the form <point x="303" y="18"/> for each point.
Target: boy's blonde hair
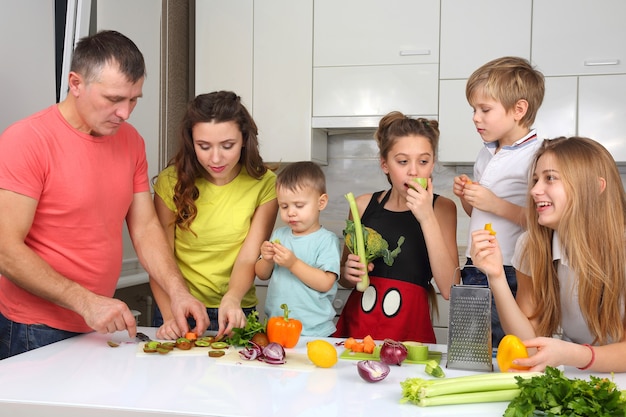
<point x="508" y="80"/>
<point x="299" y="175"/>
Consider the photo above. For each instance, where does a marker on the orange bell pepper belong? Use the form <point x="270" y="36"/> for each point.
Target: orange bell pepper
<point x="284" y="330"/>
<point x="510" y="348"/>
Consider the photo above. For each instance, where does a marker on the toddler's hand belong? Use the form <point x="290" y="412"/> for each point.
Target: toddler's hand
<point x="283" y="256"/>
<point x="267" y="251"/>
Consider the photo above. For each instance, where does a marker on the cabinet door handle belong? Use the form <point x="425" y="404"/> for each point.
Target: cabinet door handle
<point x="596" y="63"/>
<point x="409" y="52"/>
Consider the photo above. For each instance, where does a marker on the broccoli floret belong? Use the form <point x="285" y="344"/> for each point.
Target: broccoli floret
<point x="375" y="246"/>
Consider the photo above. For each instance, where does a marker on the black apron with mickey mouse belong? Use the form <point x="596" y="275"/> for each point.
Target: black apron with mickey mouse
<point x="395" y="305"/>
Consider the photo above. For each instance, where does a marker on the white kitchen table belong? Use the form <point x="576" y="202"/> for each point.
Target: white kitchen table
<point x="84" y="377"/>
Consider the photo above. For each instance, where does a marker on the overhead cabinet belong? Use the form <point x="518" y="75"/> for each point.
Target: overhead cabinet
<point x="475" y="32"/>
<point x="372" y="57"/>
<point x="471" y="35"/>
<point x="579" y="37"/>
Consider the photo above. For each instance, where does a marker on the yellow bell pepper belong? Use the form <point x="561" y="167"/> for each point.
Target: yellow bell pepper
<point x="509" y="349"/>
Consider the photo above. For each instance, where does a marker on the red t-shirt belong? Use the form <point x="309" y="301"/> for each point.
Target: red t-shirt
<point x="84" y="186"/>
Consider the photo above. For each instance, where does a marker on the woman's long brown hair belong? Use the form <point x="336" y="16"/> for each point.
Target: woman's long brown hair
<point x="219" y="106"/>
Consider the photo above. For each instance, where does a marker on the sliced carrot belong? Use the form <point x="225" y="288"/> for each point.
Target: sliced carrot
<point x="349" y="342"/>
<point x="358" y="347"/>
<point x="368" y="344"/>
<point x="191" y="336"/>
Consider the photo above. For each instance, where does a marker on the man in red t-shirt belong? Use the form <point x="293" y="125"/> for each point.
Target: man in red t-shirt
<point x="70" y="176"/>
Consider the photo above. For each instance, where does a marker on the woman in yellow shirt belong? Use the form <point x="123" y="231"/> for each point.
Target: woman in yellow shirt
<point x="216" y="201"/>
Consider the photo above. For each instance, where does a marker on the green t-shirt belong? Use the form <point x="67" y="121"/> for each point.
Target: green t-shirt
<point x="221" y="226"/>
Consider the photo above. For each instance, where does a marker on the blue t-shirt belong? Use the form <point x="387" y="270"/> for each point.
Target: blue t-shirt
<point x="313" y="308"/>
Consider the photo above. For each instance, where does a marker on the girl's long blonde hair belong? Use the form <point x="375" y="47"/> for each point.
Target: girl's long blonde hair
<point x="592" y="234"/>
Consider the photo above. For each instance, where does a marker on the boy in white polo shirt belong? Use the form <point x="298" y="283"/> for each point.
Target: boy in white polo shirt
<point x="506" y="94"/>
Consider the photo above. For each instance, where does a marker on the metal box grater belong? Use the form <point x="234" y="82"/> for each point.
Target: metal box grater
<point x="469" y="328"/>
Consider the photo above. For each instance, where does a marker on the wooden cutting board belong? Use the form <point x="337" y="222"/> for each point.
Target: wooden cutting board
<point x="294" y="361"/>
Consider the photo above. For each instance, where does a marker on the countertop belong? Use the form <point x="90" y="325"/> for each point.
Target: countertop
<point x="83" y="376"/>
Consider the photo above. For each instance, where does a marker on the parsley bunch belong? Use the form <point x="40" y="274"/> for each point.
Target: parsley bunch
<point x="553" y="394"/>
<point x="241" y="336"/>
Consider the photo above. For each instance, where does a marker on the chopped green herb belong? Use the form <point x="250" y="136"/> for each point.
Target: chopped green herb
<point x="242" y="336"/>
<point x="556" y="395"/>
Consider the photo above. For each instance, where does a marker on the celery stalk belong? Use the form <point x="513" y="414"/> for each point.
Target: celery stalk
<point x="463" y="389"/>
<point x="474" y="383"/>
<point x="471" y="397"/>
<point x="360" y="243"/>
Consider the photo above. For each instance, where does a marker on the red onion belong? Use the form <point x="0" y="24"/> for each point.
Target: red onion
<point x="273" y="353"/>
<point x="252" y="352"/>
<point x="392" y="352"/>
<point x="372" y="371"/>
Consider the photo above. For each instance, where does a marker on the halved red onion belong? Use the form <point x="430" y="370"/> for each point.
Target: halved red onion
<point x="373" y="371"/>
<point x="273" y="353"/>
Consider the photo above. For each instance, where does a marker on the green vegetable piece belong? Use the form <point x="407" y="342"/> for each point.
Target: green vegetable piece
<point x="202" y="343"/>
<point x="359" y="247"/>
<point x="366" y="242"/>
<point x="219" y="345"/>
<point x="276" y="241"/>
<point x="153" y="344"/>
<point x="433" y="369"/>
<point x="422" y="181"/>
<point x="241" y="336"/>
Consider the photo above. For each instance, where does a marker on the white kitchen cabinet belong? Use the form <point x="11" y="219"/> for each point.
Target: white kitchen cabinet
<point x="459" y="142"/>
<point x="372" y="57"/>
<point x="575" y="37"/>
<point x="375" y="90"/>
<point x="557" y="115"/>
<point x="373" y="32"/>
<point x="282" y="82"/>
<point x="475" y="32"/>
<point x="224" y="47"/>
<point x="602" y="112"/>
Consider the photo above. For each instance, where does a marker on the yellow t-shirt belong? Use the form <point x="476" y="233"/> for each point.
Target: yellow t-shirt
<point x="221" y="226"/>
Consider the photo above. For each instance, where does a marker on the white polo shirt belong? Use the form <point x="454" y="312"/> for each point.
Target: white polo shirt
<point x="506" y="174"/>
